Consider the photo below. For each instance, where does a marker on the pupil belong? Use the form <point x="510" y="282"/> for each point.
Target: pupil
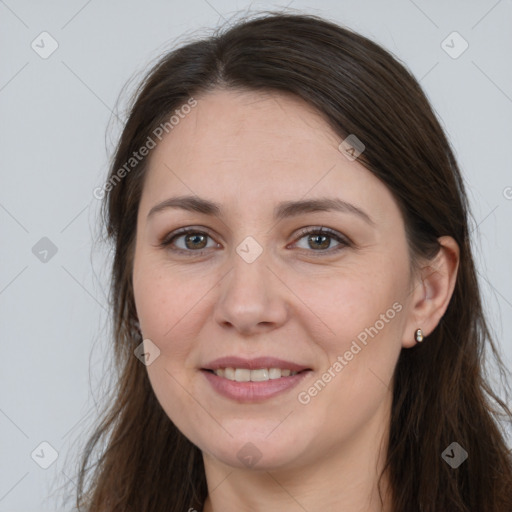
<point x="194" y="239"/>
<point x="315" y="238"/>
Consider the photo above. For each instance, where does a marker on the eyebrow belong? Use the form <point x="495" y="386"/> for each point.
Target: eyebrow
<point x="282" y="211"/>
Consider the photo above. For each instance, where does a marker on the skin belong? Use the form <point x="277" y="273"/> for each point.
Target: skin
<point x="299" y="301"/>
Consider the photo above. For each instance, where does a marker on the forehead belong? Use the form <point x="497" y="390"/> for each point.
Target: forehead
<point x="249" y="125"/>
<point x="258" y="148"/>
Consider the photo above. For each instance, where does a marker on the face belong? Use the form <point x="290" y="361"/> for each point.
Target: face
<point x="257" y="288"/>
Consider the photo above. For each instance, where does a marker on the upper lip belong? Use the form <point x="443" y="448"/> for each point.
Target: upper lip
<point x="254" y="364"/>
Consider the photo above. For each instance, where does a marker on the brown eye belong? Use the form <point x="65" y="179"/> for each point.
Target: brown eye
<point x="195" y="241"/>
<point x="320" y="240"/>
<point x="189" y="241"/>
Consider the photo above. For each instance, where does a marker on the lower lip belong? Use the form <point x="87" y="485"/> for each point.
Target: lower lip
<point x="252" y="391"/>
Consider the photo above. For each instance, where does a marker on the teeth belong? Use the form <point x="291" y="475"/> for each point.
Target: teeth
<point x="242" y="375"/>
<point x="275" y="373"/>
<point x="246" y="375"/>
<point x="259" y="375"/>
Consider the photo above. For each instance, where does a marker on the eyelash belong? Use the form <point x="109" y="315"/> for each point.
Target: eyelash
<point x="343" y="241"/>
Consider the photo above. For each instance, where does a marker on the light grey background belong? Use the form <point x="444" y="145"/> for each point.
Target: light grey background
<point x="54" y="151"/>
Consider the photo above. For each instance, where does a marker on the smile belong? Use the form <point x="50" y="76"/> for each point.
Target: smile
<point x="258" y="375"/>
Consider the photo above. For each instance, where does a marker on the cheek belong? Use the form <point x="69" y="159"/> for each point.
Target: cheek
<point x="362" y="313"/>
<point x="354" y="303"/>
<point x="361" y="349"/>
<point x="169" y="308"/>
<point x="171" y="386"/>
<point x="163" y="296"/>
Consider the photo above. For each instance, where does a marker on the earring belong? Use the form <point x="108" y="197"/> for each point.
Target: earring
<point x="418" y="336"/>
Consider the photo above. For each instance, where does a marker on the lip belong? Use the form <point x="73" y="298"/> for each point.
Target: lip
<point x="254" y="364"/>
<point x="244" y="392"/>
<point x="250" y="392"/>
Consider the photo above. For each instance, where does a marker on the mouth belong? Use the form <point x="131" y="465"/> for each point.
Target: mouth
<point x="256" y="375"/>
<point x="253" y="380"/>
<point x="259" y="369"/>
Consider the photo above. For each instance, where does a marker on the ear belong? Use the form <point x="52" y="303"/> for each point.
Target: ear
<point x="432" y="291"/>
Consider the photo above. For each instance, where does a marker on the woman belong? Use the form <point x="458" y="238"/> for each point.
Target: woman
<point x="298" y="322"/>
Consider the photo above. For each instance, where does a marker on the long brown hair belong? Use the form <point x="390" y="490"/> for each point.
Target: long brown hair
<point x="441" y="389"/>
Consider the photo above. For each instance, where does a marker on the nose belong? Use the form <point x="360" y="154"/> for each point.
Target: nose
<point x="252" y="298"/>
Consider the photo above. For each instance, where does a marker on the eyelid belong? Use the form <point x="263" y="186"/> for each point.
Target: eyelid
<point x="167" y="240"/>
<point x="324" y="231"/>
<point x="342" y="240"/>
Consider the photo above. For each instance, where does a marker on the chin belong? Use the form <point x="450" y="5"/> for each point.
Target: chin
<point x="257" y="452"/>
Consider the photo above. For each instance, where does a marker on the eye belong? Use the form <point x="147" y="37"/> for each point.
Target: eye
<point x="192" y="241"/>
<point x="319" y="240"/>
